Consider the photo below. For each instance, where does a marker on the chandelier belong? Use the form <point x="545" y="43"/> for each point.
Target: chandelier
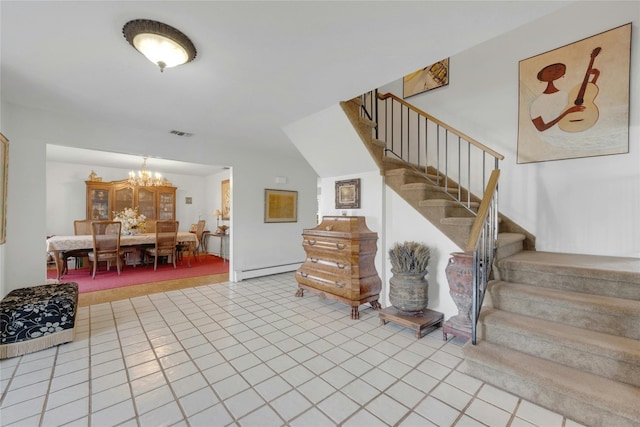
<point x="144" y="178"/>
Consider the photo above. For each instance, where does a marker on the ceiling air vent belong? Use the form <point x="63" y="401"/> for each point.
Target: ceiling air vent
<point x="180" y="133"/>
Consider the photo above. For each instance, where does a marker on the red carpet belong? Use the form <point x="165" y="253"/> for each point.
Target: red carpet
<point x="135" y="276"/>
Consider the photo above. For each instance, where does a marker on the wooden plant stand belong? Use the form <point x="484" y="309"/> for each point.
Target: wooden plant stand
<point x="417" y="322"/>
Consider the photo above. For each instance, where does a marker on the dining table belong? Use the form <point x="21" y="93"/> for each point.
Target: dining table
<point x="57" y="245"/>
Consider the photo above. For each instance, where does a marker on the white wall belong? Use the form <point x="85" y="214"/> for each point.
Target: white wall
<point x="213" y="201"/>
<point x="334" y="147"/>
<point x="588" y="205"/>
<point x="269" y="244"/>
<point x="404" y="223"/>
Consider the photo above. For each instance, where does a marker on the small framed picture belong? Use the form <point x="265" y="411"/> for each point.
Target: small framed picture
<point x="280" y="206"/>
<point x="348" y="194"/>
<point x="427" y="78"/>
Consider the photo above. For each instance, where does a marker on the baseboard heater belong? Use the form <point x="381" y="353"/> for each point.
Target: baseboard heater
<point x="266" y="271"/>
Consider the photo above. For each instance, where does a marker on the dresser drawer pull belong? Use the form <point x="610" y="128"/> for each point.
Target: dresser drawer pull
<point x="303" y="274"/>
<point x="313" y="260"/>
<point x="341" y="266"/>
<point x="340" y="285"/>
<point x="311" y="242"/>
<point x="341" y="245"/>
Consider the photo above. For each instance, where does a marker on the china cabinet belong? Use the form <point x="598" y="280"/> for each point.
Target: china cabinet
<point x="340" y="262"/>
<point x="99" y="203"/>
<point x="103" y="198"/>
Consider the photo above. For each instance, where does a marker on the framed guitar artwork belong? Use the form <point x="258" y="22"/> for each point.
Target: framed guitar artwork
<point x="574" y="100"/>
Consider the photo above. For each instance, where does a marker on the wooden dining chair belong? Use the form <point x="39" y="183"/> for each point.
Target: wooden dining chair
<point x="188" y="247"/>
<point x="165" y="245"/>
<point x="80" y="227"/>
<point x="106" y="244"/>
<point x="199" y="234"/>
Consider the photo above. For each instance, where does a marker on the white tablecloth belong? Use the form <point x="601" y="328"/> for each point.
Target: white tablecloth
<point x="68" y="243"/>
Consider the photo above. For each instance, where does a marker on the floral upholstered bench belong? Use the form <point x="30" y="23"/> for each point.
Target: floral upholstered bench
<point x="32" y="319"/>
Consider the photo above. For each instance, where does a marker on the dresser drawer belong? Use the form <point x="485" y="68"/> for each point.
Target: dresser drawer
<point x="330" y="285"/>
<point x="339" y="268"/>
<point x="324" y="244"/>
<point x="330" y="257"/>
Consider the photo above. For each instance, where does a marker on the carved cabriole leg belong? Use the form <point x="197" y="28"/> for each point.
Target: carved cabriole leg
<point x="355" y="314"/>
<point x="299" y="292"/>
<point x="376" y="305"/>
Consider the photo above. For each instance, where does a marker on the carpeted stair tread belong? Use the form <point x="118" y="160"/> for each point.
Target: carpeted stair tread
<point x="460" y="221"/>
<point x="589" y="341"/>
<point x="601" y="275"/>
<point x="604" y="354"/>
<point x="444" y="202"/>
<point x="508" y="244"/>
<point x="378" y="143"/>
<point x="581" y="396"/>
<point x="400" y="171"/>
<point x="426" y="186"/>
<point x="403" y="175"/>
<point x="392" y="163"/>
<point x="505" y="239"/>
<point x="367" y="122"/>
<point x="596" y="312"/>
<point x="607" y="267"/>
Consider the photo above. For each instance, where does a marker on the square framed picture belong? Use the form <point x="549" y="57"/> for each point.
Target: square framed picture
<point x="348" y="194"/>
<point x="280" y="206"/>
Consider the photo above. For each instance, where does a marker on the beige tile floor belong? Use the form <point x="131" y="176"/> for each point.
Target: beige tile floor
<point x="250" y="354"/>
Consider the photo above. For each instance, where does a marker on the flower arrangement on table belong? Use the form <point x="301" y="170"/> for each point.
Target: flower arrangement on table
<point x="132" y="222"/>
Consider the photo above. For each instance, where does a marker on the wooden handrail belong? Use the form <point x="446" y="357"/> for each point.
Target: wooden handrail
<point x="443" y="125"/>
<point x="483" y="211"/>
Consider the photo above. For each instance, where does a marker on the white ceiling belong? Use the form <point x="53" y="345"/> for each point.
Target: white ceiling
<point x="260" y="65"/>
<point x="58" y="153"/>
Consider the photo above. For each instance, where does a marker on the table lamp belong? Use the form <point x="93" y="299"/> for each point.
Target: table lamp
<point x="217" y="214"/>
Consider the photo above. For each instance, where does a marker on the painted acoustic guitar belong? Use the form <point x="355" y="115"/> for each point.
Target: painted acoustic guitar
<point x="583" y="94"/>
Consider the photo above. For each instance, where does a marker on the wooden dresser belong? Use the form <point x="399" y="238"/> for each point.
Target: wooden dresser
<point x="340" y="262"/>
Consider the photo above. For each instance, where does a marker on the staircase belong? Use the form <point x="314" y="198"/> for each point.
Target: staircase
<point x="453" y="218"/>
<point x="559" y="330"/>
<point x="563" y="331"/>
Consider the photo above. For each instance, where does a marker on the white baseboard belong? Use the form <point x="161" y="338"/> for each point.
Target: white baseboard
<point x="240" y="275"/>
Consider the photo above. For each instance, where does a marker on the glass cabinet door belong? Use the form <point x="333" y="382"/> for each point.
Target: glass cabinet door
<point x="123" y="198"/>
<point x="166" y="206"/>
<point x="98" y="204"/>
<point x="146" y="203"/>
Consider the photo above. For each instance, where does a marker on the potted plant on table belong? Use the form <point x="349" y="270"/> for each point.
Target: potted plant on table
<point x="408" y="287"/>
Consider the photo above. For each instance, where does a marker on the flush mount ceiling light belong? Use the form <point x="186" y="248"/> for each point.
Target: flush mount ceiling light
<point x="162" y="44"/>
